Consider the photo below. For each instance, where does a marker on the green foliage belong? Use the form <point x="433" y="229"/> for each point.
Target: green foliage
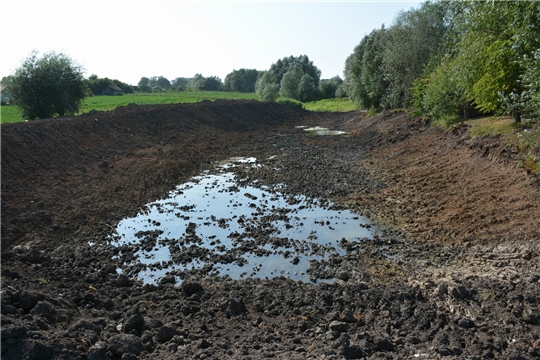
<point x="328" y="88"/>
<point x="242" y="80"/>
<point x="364" y="81"/>
<point x="267" y="87"/>
<point x="307" y="89"/>
<point x="52" y="85"/>
<point x="282" y="66"/>
<point x="293" y="77"/>
<point x="98" y="85"/>
<point x="415" y="37"/>
<point x="290" y="81"/>
<point x="290" y="102"/>
<point x="212" y="83"/>
<point x="180" y="83"/>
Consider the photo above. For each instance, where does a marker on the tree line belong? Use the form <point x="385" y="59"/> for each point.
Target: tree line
<point x="452" y="59"/>
<point x="444" y="59"/>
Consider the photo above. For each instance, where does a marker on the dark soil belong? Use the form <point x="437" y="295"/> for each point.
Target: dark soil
<point x="453" y="272"/>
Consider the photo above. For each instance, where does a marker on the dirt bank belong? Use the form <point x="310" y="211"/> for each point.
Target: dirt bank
<point x="454" y="272"/>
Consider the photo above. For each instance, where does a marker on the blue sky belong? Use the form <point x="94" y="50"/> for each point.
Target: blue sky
<point x="126" y="40"/>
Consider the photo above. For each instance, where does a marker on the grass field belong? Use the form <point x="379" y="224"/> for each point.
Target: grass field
<point x="10" y="114"/>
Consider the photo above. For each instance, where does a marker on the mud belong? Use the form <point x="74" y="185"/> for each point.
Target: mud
<point x="452" y="272"/>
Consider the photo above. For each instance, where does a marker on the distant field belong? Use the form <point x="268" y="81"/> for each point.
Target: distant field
<point x="103" y="103"/>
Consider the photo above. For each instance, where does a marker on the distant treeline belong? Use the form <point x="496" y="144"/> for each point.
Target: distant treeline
<point x="447" y="59"/>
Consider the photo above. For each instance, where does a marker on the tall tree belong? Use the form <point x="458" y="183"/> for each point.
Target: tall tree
<point x="415" y="37"/>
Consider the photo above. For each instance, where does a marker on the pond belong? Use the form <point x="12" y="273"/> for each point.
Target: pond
<point x="212" y="225"/>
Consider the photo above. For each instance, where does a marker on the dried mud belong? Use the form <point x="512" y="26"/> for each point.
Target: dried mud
<point x="453" y="271"/>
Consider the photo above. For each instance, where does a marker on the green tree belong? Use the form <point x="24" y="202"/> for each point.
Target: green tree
<point x="180" y="83"/>
<point x="48" y="86"/>
<point x="290" y="81"/>
<point x="415" y="37"/>
<point x="212" y="83"/>
<point x="364" y="79"/>
<point x="282" y="66"/>
<point x="328" y="87"/>
<point x="307" y="89"/>
<point x="267" y="87"/>
<point x="242" y="80"/>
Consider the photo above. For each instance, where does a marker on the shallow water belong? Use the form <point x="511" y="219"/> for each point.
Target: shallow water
<point x="213" y="225"/>
<point x="317" y="130"/>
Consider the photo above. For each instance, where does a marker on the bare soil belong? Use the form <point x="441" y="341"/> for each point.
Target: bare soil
<point x="453" y="272"/>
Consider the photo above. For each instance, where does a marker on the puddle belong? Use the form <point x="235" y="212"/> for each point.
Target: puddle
<point x="212" y="225"/>
<point x="317" y="130"/>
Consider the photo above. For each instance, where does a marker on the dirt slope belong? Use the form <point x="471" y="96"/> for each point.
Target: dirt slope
<point x="453" y="274"/>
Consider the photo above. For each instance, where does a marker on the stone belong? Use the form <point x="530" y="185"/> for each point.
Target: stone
<point x="133" y="322"/>
<point x="339" y="326"/>
<point x="36" y="350"/>
<point x="165" y="333"/>
<point x="384" y="344"/>
<point x="353" y="352"/>
<point x="12" y="331"/>
<point x="203" y="344"/>
<point x="190" y="288"/>
<point x="125" y="344"/>
<point x="168" y="279"/>
<point x="44" y="309"/>
<point x="122" y="280"/>
<point x="97" y="352"/>
<point x="236" y="307"/>
<point x="465" y="323"/>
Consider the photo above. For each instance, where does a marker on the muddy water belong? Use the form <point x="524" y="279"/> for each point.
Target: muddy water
<point x="213" y="225"/>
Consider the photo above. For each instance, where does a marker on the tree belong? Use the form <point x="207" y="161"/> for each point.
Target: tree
<point x="267" y="87"/>
<point x="180" y="83"/>
<point x="307" y="90"/>
<point x="212" y="83"/>
<point x="415" y="37"/>
<point x="364" y="79"/>
<point x="290" y="81"/>
<point x="282" y="66"/>
<point x="329" y="87"/>
<point x="48" y="86"/>
<point x="242" y="80"/>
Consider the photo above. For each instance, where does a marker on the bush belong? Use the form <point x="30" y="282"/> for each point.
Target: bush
<point x="49" y="86"/>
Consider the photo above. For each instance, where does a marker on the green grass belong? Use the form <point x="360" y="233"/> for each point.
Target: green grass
<point x="334" y="105"/>
<point x="493" y="125"/>
<point x="10" y="113"/>
<point x="103" y="103"/>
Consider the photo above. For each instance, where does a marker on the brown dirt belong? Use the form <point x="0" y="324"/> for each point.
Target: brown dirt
<point x="460" y="222"/>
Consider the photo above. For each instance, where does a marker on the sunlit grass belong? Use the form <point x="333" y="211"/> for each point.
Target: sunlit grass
<point x="105" y="103"/>
<point x="332" y="105"/>
<point x="493" y="125"/>
<point x="9" y="114"/>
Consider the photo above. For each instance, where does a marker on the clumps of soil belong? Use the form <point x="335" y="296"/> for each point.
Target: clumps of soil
<point x="441" y="279"/>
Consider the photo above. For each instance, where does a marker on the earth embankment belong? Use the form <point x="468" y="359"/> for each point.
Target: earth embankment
<point x="452" y="272"/>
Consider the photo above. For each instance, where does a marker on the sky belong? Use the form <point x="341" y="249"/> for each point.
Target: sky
<point x="127" y="40"/>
